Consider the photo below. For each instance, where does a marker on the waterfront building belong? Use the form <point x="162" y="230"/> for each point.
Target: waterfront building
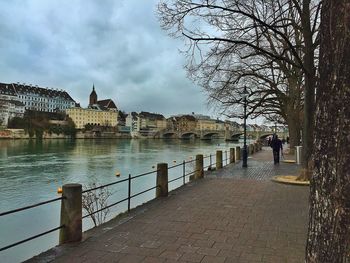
<point x="92" y="116"/>
<point x="145" y="122"/>
<point x="132" y="121"/>
<point x="99" y="113"/>
<point x="16" y="98"/>
<point x="10" y="106"/>
<point x="42" y="99"/>
<point x="205" y="122"/>
<point x="182" y="123"/>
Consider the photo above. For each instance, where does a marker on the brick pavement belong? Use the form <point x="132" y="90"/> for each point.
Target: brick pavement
<point x="229" y="216"/>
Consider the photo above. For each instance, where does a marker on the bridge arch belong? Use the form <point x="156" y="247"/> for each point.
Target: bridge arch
<point x="209" y="135"/>
<point x="235" y="136"/>
<point x="189" y="135"/>
<point x="168" y="135"/>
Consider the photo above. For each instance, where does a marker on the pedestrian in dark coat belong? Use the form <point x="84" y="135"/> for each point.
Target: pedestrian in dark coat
<point x="276" y="145"/>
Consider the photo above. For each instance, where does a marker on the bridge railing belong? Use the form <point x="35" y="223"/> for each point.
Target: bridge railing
<point x="185" y="171"/>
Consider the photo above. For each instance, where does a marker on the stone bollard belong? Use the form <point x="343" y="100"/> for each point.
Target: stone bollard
<point x="298" y="154"/>
<point x="162" y="180"/>
<point x="218" y="160"/>
<point x="238" y="153"/>
<point x="232" y="155"/>
<point x="199" y="167"/>
<point x="71" y="214"/>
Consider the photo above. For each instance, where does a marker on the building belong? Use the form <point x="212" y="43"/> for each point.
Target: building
<point x="92" y="116"/>
<point x="205" y="123"/>
<point x="132" y="121"/>
<point x="99" y="113"/>
<point x="10" y="106"/>
<point x="182" y="123"/>
<point x="42" y="99"/>
<point x="145" y="122"/>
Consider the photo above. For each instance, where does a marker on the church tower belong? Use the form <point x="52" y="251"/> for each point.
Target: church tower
<point x="93" y="97"/>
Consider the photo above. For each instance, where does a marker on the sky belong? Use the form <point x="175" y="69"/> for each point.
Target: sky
<point x="117" y="45"/>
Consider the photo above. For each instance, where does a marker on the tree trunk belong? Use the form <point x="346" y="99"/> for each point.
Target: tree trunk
<point x="309" y="93"/>
<point x="293" y="123"/>
<point x="329" y="218"/>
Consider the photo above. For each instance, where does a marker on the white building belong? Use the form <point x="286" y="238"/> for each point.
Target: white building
<point x="42" y="99"/>
<point x="132" y="120"/>
<point x="10" y="106"/>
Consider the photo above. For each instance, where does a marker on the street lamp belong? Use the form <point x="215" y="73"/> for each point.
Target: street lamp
<point x="245" y="152"/>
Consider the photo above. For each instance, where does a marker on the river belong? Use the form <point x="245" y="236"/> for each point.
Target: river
<point x="31" y="171"/>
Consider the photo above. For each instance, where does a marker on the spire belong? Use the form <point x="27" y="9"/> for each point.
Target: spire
<point x="93" y="96"/>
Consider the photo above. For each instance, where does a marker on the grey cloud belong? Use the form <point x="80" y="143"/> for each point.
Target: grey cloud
<point x="117" y="45"/>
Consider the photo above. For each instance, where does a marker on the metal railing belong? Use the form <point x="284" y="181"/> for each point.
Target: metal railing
<point x="26" y="208"/>
<point x="128" y="198"/>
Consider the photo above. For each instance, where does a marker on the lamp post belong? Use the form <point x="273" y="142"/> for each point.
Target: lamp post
<point x="245" y="152"/>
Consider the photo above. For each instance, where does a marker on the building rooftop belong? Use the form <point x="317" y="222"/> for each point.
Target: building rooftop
<point x="17" y="88"/>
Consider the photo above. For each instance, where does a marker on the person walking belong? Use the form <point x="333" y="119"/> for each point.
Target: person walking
<point x="276" y="145"/>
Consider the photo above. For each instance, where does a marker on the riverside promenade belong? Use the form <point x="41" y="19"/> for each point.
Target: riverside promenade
<point x="232" y="215"/>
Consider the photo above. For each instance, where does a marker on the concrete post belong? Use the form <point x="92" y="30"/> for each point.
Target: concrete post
<point x="238" y="153"/>
<point x="218" y="160"/>
<point x="199" y="166"/>
<point x="232" y="155"/>
<point x="162" y="180"/>
<point x="298" y="154"/>
<point x="71" y="214"/>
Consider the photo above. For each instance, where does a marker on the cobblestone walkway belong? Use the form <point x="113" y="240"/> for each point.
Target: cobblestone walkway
<point x="230" y="216"/>
<point x="260" y="167"/>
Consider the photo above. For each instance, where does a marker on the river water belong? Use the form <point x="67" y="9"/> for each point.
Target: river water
<point x="31" y="171"/>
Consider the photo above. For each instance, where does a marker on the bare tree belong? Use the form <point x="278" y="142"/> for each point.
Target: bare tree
<point x="95" y="203"/>
<point x="329" y="218"/>
<point x="277" y="37"/>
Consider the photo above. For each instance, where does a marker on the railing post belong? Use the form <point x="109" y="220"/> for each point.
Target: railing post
<point x="210" y="161"/>
<point x="238" y="153"/>
<point x="129" y="192"/>
<point x="232" y="155"/>
<point x="199" y="167"/>
<point x="218" y="160"/>
<point x="162" y="180"/>
<point x="71" y="214"/>
<point x="184" y="171"/>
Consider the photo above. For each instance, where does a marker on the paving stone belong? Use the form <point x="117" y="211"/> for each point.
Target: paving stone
<point x="192" y="257"/>
<point x="213" y="259"/>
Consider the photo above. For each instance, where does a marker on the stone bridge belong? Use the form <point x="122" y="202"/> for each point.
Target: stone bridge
<point x="210" y="134"/>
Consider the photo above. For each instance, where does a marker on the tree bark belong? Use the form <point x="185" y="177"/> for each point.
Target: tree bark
<point x="293" y="123"/>
<point x="329" y="217"/>
<point x="309" y="91"/>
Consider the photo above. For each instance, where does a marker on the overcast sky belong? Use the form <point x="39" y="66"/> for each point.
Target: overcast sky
<point x="116" y="44"/>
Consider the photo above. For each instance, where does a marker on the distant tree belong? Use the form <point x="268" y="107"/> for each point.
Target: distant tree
<point x="329" y="219"/>
<point x="18" y="123"/>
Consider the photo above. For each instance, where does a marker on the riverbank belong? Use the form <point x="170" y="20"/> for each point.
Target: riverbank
<point x="10" y="134"/>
